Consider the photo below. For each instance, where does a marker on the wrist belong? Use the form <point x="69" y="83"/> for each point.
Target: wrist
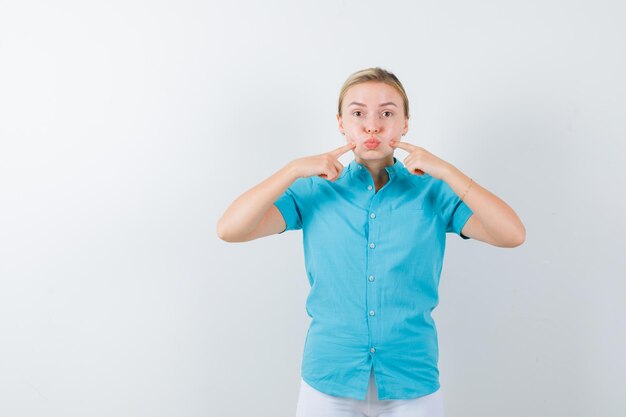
<point x="291" y="169"/>
<point x="458" y="181"/>
<point x="449" y="172"/>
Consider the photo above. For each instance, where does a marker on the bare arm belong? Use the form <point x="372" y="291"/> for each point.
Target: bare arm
<point x="253" y="214"/>
<point x="493" y="221"/>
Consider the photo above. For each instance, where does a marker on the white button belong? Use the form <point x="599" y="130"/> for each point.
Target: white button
<point x="372" y="245"/>
<point x="371" y="278"/>
<point x="372" y="216"/>
<point x="369" y="187"/>
<point x="373" y="350"/>
<point x="371" y="312"/>
<point x="360" y="167"/>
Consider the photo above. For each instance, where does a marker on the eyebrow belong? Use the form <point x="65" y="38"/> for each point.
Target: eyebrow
<point x="389" y="103"/>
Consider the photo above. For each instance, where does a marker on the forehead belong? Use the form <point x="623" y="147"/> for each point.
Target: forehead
<point x="372" y="91"/>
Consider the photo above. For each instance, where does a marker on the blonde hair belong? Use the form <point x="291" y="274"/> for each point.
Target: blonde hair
<point x="374" y="74"/>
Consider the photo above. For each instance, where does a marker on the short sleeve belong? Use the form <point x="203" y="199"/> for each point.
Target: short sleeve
<point x="454" y="211"/>
<point x="289" y="205"/>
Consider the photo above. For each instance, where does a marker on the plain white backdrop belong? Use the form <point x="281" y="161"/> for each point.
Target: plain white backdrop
<point x="127" y="128"/>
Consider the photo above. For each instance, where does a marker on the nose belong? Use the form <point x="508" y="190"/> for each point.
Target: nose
<point x="372" y="126"/>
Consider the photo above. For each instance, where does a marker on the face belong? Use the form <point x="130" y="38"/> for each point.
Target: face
<point x="373" y="114"/>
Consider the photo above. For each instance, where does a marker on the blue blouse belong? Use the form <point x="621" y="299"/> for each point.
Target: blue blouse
<point x="373" y="260"/>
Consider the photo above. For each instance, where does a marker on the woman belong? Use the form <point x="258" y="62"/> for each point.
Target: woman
<point x="374" y="238"/>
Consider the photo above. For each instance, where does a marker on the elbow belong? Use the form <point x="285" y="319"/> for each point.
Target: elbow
<point x="227" y="234"/>
<point x="518" y="238"/>
<point x="222" y="232"/>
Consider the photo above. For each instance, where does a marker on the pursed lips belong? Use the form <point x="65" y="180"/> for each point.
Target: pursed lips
<point x="372" y="140"/>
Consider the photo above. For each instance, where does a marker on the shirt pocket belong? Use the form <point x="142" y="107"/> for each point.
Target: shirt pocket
<point x="408" y="206"/>
<point x="415" y="241"/>
<point x="412" y="227"/>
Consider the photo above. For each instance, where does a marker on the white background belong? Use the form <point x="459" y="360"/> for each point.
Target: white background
<point x="127" y="128"/>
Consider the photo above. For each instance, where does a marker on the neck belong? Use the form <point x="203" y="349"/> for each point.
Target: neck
<point x="376" y="168"/>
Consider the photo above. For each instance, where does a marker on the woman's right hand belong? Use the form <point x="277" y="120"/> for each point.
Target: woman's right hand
<point x="253" y="215"/>
<point x="325" y="165"/>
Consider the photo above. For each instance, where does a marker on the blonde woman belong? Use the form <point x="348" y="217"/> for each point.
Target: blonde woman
<point x="374" y="236"/>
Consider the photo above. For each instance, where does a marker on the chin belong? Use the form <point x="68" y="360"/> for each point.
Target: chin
<point x="374" y="156"/>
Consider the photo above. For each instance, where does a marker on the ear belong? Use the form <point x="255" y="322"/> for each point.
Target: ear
<point x="340" y="122"/>
<point x="406" y="125"/>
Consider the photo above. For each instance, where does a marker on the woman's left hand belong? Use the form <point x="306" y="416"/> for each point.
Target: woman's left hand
<point x="421" y="161"/>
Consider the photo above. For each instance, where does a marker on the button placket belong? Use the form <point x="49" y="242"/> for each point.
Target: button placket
<point x="371" y="293"/>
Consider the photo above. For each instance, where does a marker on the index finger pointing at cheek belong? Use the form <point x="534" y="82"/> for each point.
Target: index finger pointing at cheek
<point x="402" y="145"/>
<point x="342" y="149"/>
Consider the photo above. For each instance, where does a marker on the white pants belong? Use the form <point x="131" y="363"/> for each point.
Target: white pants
<point x="313" y="403"/>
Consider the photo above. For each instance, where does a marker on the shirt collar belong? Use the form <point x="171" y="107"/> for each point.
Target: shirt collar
<point x="396" y="169"/>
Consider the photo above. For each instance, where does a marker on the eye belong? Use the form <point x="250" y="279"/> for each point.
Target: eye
<point x="390" y="113"/>
<point x="355" y="113"/>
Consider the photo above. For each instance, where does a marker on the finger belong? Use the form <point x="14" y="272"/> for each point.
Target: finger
<point x="409" y="164"/>
<point x="402" y="145"/>
<point x="333" y="170"/>
<point x="329" y="172"/>
<point x="342" y="149"/>
<point x="339" y="168"/>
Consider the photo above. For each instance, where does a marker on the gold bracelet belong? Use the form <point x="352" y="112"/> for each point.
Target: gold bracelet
<point x="467" y="189"/>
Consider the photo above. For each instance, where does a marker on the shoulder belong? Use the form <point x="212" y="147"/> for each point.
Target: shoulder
<point x="433" y="190"/>
<point x="302" y="186"/>
<point x="421" y="182"/>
